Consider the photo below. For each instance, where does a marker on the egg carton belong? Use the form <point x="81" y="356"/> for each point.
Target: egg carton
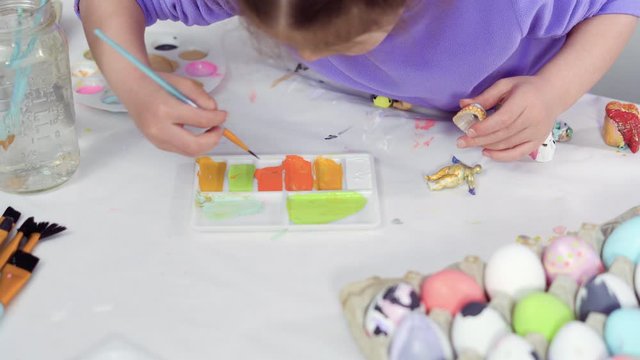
<point x="531" y="300"/>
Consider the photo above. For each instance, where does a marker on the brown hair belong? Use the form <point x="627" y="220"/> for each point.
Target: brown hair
<point x="318" y="24"/>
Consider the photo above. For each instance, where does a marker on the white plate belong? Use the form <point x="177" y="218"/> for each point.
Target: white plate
<point x="359" y="177"/>
<point x="91" y="89"/>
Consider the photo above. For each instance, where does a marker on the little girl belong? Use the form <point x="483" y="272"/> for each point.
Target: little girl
<point x="534" y="57"/>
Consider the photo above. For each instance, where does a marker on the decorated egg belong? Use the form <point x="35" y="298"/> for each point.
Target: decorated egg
<point x="623" y="241"/>
<point x="512" y="347"/>
<point x="604" y="294"/>
<point x="514" y="270"/>
<point x="576" y="340"/>
<point x="477" y="327"/>
<point x="573" y="257"/>
<point x="637" y="277"/>
<point x="450" y="290"/>
<point x="540" y="313"/>
<point x="622" y="332"/>
<point x="388" y="308"/>
<point x="419" y="338"/>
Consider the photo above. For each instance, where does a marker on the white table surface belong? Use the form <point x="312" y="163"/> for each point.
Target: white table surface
<point x="131" y="271"/>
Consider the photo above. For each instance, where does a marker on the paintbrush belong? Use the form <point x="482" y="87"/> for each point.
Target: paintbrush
<point x="27" y="228"/>
<point x="166" y="85"/>
<point x="7" y="221"/>
<point x="14" y="277"/>
<point x="43" y="230"/>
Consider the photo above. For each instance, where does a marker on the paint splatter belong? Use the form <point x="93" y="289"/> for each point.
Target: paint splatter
<point x="424" y="124"/>
<point x="421" y="144"/>
<point x="331" y="137"/>
<point x="253" y="96"/>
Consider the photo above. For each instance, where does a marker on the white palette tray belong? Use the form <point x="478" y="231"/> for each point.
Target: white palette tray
<point x="359" y="179"/>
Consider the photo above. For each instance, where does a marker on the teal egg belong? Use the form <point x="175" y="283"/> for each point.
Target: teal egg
<point x="623" y="241"/>
<point x="621" y="332"/>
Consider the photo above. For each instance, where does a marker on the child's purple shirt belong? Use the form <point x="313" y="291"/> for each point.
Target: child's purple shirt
<point x="442" y="50"/>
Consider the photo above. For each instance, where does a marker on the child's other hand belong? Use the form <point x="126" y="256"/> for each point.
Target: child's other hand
<point x="522" y="123"/>
<point x="161" y="117"/>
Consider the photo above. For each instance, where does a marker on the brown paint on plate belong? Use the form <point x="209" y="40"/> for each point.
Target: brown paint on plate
<point x="162" y="64"/>
<point x="88" y="55"/>
<point x="193" y="55"/>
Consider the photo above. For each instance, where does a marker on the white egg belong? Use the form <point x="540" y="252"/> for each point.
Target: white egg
<point x="577" y="341"/>
<point x="512" y="347"/>
<point x="477" y="328"/>
<point x="514" y="270"/>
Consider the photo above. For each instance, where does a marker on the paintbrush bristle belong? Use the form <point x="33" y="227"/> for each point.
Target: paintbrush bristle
<point x="12" y="213"/>
<point x="40" y="227"/>
<point x="28" y="227"/>
<point x="51" y="230"/>
<point x="24" y="260"/>
<point x="252" y="153"/>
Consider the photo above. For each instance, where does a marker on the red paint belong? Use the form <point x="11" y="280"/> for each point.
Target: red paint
<point x="425" y="124"/>
<point x="269" y="178"/>
<point x="298" y="175"/>
<point x="628" y="123"/>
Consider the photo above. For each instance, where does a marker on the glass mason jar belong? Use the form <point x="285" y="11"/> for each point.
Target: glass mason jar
<point x="38" y="140"/>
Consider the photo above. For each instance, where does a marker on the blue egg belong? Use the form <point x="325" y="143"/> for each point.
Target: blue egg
<point x="621" y="332"/>
<point x="623" y="241"/>
<point x="419" y="338"/>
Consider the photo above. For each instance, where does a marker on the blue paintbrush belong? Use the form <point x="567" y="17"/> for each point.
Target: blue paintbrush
<point x="165" y="85"/>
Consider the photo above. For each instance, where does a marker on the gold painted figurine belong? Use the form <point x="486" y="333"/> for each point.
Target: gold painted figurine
<point x="452" y="176"/>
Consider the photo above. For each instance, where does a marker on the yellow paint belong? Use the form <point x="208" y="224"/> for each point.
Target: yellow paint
<point x="210" y="174"/>
<point x="328" y="174"/>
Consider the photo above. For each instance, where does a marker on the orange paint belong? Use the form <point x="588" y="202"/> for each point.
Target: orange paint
<point x="328" y="174"/>
<point x="211" y="174"/>
<point x="269" y="178"/>
<point x="297" y="174"/>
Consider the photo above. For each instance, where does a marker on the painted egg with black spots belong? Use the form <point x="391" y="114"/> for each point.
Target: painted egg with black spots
<point x="419" y="338"/>
<point x="450" y="290"/>
<point x="389" y="307"/>
<point x="604" y="294"/>
<point x="512" y="347"/>
<point x="514" y="270"/>
<point x="476" y="328"/>
<point x="576" y="340"/>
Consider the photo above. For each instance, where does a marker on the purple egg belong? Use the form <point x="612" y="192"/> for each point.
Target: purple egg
<point x="419" y="338"/>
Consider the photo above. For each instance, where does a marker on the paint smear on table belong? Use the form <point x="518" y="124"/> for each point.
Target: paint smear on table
<point x="324" y="208"/>
<point x="228" y="206"/>
<point x="424" y="124"/>
<point x="297" y="174"/>
<point x="241" y="177"/>
<point x="211" y="174"/>
<point x="269" y="178"/>
<point x="328" y="174"/>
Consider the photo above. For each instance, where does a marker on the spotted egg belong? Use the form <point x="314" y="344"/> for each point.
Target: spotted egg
<point x="419" y="338"/>
<point x="604" y="294"/>
<point x="389" y="307"/>
<point x="623" y="241"/>
<point x="622" y="332"/>
<point x="514" y="270"/>
<point x="573" y="257"/>
<point x="540" y="313"/>
<point x="576" y="340"/>
<point x="512" y="347"/>
<point x="450" y="290"/>
<point x="476" y="328"/>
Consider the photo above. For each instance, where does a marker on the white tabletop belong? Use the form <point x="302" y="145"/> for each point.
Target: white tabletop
<point x="131" y="272"/>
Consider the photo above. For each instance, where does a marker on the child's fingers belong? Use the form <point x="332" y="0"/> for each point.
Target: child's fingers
<point x="515" y="153"/>
<point x="204" y="119"/>
<point x="186" y="143"/>
<point x="491" y="96"/>
<point x="510" y="142"/>
<point x="193" y="91"/>
<point x="510" y="112"/>
<point x="516" y="129"/>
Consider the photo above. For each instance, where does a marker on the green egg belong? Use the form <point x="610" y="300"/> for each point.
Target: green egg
<point x="540" y="313"/>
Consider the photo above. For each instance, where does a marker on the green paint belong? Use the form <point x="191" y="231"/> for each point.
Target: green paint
<point x="541" y="313"/>
<point x="224" y="206"/>
<point x="241" y="177"/>
<point x="324" y="208"/>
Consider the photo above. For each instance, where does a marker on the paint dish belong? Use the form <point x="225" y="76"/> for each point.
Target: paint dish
<point x="202" y="68"/>
<point x="168" y="53"/>
<point x="193" y="55"/>
<point x="89" y="86"/>
<point x="276" y="192"/>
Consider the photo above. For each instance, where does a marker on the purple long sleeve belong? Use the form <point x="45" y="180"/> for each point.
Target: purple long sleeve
<point x="441" y="50"/>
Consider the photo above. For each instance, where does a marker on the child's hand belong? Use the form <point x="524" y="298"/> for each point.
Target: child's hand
<point x="522" y="123"/>
<point x="161" y="117"/>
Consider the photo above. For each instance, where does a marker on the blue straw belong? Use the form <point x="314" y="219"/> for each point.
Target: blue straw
<point x="145" y="69"/>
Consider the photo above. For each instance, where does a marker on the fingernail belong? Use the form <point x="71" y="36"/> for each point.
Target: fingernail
<point x="461" y="143"/>
<point x="471" y="133"/>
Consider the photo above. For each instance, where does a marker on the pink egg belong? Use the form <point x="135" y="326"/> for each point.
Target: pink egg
<point x="450" y="290"/>
<point x="573" y="257"/>
<point x="202" y="69"/>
